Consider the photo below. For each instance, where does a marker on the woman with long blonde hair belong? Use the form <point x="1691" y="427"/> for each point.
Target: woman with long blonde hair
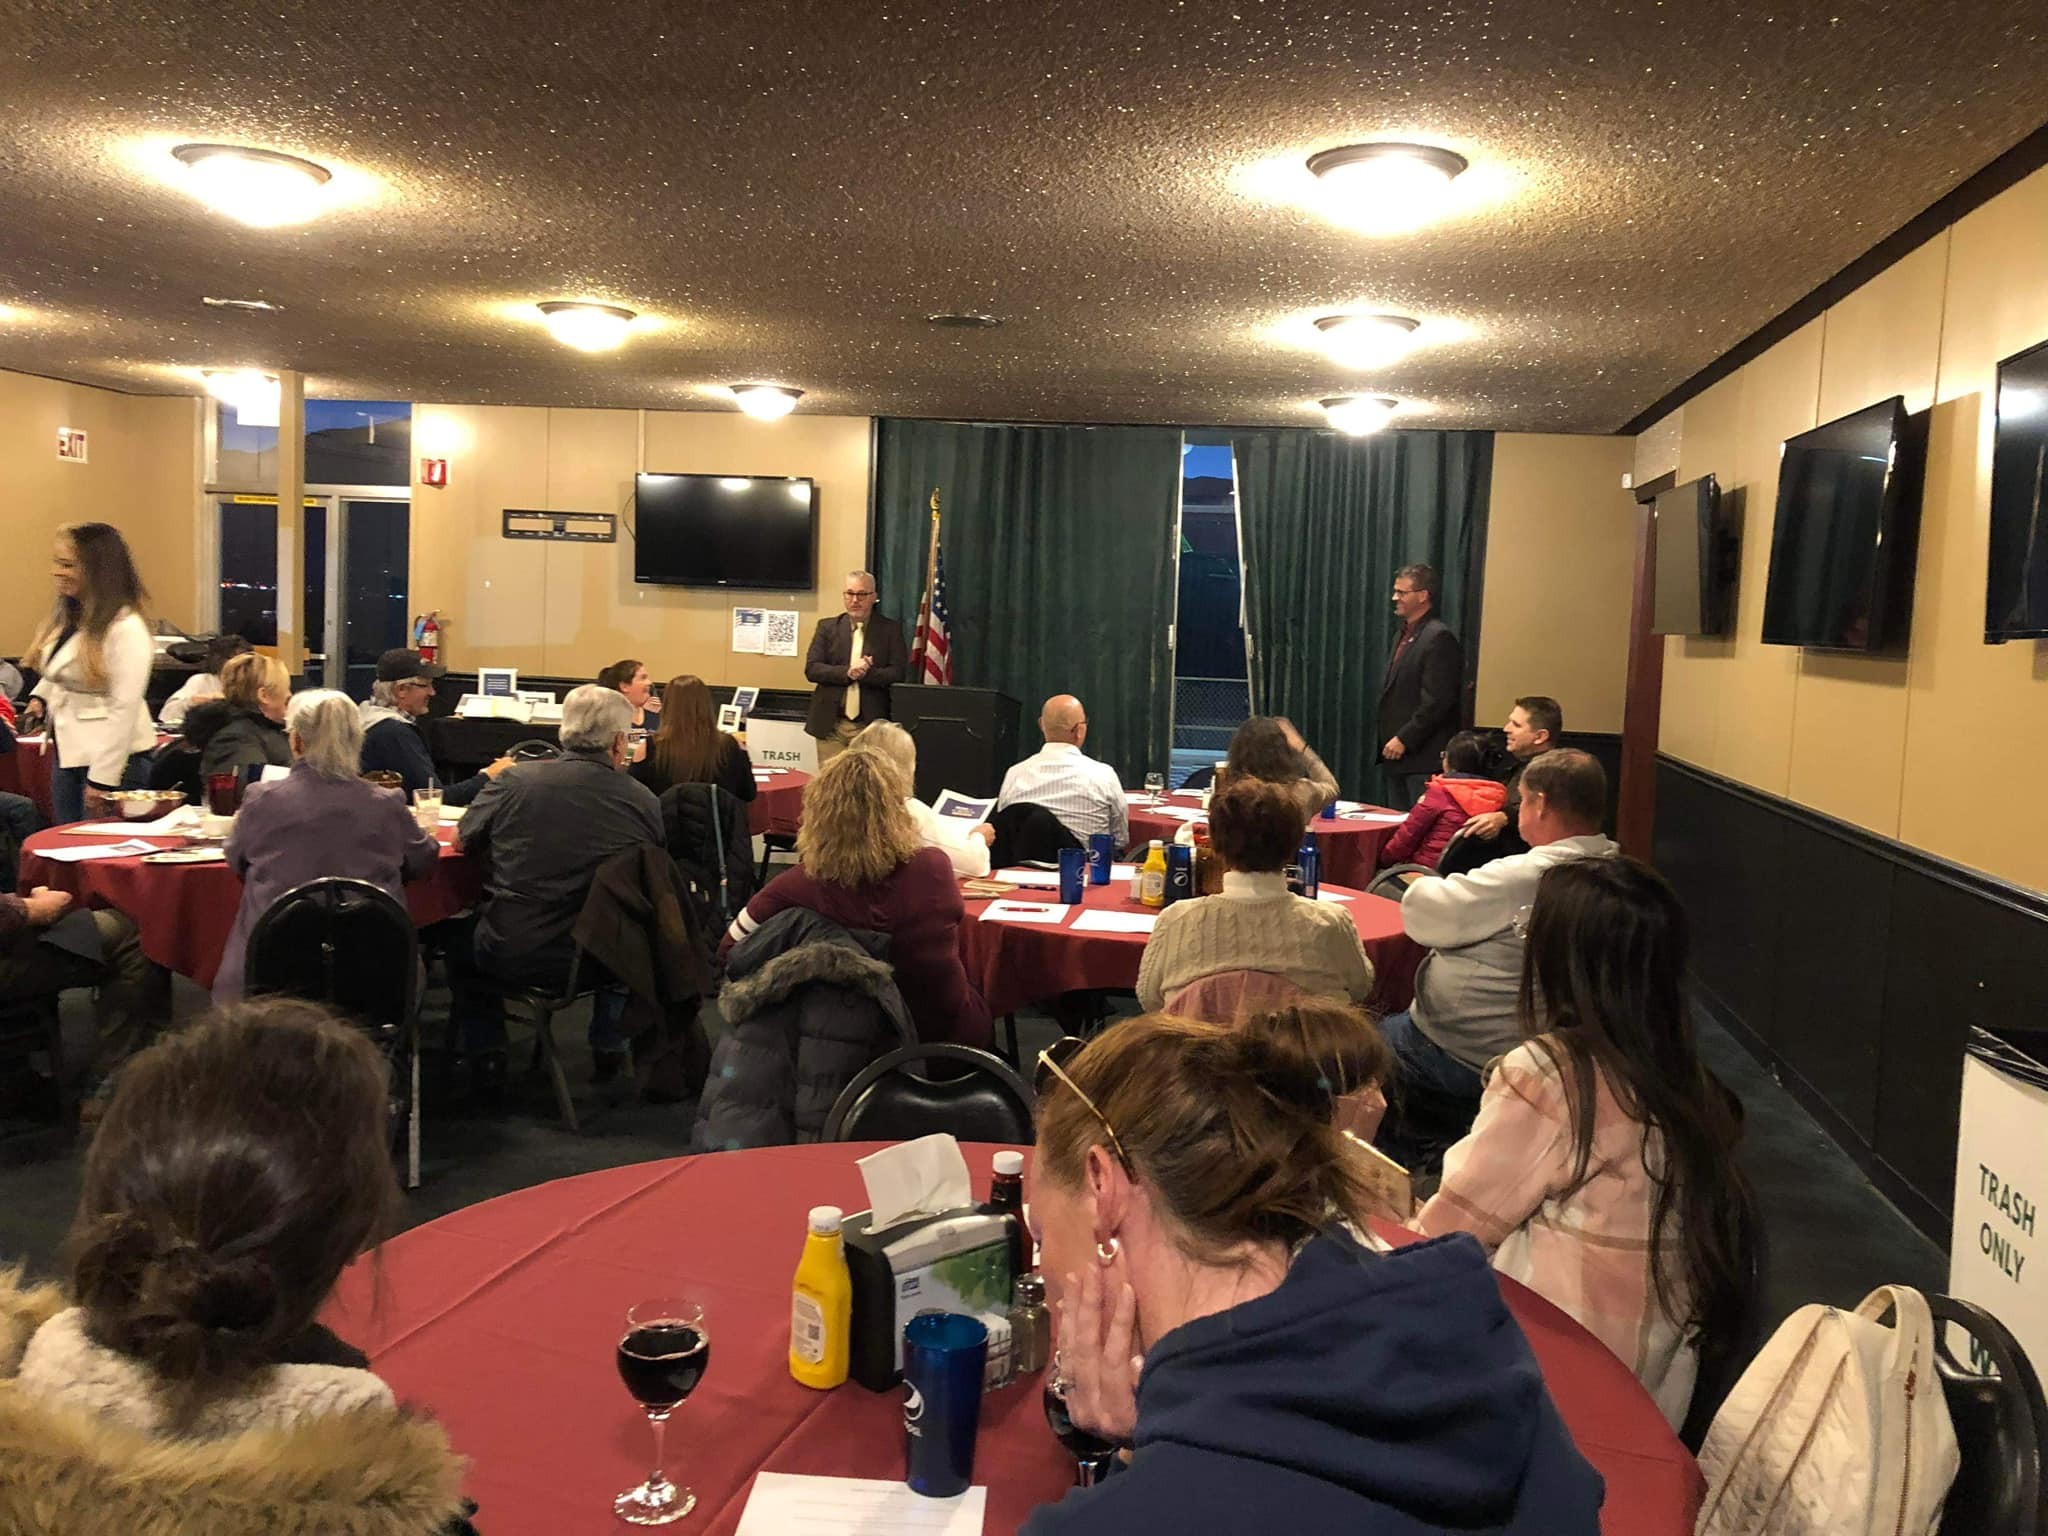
<point x="865" y="868"/>
<point x="95" y="655"/>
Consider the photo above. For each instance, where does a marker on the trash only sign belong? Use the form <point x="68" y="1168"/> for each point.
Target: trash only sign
<point x="1995" y="1246"/>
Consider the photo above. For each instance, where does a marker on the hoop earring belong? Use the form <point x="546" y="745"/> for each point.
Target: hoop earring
<point x="1106" y="1253"/>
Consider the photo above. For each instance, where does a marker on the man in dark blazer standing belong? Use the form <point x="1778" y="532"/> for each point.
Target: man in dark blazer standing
<point x="854" y="659"/>
<point x="1419" y="701"/>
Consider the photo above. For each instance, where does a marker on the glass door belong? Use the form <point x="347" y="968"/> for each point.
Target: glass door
<point x="372" y="590"/>
<point x="352" y="606"/>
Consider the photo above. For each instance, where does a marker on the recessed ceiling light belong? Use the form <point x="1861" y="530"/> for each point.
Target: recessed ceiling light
<point x="1359" y="415"/>
<point x="258" y="187"/>
<point x="256" y="396"/>
<point x="766" y="402"/>
<point x="1386" y="188"/>
<point x="586" y="327"/>
<point x="966" y="321"/>
<point x="263" y="305"/>
<point x="1367" y="341"/>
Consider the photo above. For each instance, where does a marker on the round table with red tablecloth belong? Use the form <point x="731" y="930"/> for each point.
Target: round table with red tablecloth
<point x="1350" y="841"/>
<point x="26" y="771"/>
<point x="778" y="803"/>
<point x="1012" y="964"/>
<point x="502" y="1321"/>
<point x="184" y="912"/>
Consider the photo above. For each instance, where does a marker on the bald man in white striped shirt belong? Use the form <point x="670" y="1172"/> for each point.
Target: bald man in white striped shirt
<point x="1086" y="796"/>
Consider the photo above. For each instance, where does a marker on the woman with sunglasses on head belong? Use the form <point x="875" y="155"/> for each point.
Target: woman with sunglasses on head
<point x="1600" y="1171"/>
<point x="1195" y="1206"/>
<point x="95" y="654"/>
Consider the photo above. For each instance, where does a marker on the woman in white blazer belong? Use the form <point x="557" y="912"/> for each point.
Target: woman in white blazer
<point x="95" y="655"/>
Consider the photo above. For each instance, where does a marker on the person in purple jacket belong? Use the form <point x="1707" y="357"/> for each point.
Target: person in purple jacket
<point x="322" y="818"/>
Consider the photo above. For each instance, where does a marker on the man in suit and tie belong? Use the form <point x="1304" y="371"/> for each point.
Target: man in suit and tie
<point x="854" y="659"/>
<point x="1419" y="700"/>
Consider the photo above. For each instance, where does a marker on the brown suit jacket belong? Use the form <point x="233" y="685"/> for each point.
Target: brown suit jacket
<point x="831" y="654"/>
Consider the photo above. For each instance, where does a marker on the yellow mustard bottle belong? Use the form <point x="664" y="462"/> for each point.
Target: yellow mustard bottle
<point x="1152" y="877"/>
<point x="821" y="1303"/>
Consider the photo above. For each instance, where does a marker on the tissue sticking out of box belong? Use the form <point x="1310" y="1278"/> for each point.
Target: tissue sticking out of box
<point x="925" y="1177"/>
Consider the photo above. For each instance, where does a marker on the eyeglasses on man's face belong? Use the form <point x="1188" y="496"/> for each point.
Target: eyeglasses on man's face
<point x="850" y="593"/>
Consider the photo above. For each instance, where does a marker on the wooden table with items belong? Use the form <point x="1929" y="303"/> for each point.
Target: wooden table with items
<point x="1350" y="841"/>
<point x="1013" y="963"/>
<point x="502" y="1320"/>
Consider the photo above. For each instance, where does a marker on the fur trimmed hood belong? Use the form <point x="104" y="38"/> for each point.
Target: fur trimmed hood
<point x="796" y="948"/>
<point x="65" y="1471"/>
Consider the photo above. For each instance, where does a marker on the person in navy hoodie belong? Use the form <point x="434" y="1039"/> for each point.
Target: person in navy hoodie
<point x="1219" y="1315"/>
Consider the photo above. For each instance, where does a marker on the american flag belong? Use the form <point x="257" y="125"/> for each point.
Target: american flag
<point x="931" y="653"/>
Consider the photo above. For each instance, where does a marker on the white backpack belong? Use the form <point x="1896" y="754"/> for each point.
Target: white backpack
<point x="1838" y="1428"/>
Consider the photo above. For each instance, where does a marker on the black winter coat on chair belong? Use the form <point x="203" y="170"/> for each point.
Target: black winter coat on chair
<point x="705" y="826"/>
<point x="640" y="922"/>
<point x="806" y="1004"/>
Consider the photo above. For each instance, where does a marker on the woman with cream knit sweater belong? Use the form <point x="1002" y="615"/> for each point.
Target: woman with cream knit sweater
<point x="1256" y="924"/>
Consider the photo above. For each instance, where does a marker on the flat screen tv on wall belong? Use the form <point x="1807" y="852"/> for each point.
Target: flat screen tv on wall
<point x="1695" y="547"/>
<point x="754" y="531"/>
<point x="1846" y="531"/>
<point x="2016" y="589"/>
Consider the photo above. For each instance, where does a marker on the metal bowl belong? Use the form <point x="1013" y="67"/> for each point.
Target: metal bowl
<point x="148" y="804"/>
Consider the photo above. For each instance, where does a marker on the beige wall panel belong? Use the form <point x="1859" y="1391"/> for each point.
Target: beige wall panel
<point x="1658" y="446"/>
<point x="1973" y="703"/>
<point x="492" y="590"/>
<point x="1696" y="667"/>
<point x="1560" y="574"/>
<point x="139" y="474"/>
<point x="1753" y="729"/>
<point x="1849" y="713"/>
<point x="564" y="609"/>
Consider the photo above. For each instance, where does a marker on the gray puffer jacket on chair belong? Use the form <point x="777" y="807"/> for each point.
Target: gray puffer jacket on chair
<point x="806" y="1005"/>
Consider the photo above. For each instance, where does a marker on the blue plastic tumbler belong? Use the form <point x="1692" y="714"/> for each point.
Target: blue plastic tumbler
<point x="1073" y="873"/>
<point x="1101" y="855"/>
<point x="944" y="1356"/>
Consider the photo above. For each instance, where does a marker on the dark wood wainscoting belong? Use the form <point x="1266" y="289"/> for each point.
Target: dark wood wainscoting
<point x="1853" y="966"/>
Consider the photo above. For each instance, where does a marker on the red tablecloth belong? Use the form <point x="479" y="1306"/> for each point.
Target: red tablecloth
<point x="184" y="911"/>
<point x="26" y="771"/>
<point x="501" y="1320"/>
<point x="778" y="804"/>
<point x="1017" y="963"/>
<point x="1351" y="849"/>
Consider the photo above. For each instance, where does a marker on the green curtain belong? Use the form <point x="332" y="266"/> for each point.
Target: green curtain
<point x="1059" y="566"/>
<point x="1326" y="521"/>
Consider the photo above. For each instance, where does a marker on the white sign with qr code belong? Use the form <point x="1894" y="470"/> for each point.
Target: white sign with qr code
<point x="781" y="637"/>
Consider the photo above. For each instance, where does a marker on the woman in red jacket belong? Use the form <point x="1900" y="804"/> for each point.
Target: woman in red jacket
<point x="1454" y="796"/>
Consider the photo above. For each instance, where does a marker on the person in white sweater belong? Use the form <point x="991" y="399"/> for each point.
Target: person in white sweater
<point x="1465" y="1013"/>
<point x="1256" y="924"/>
<point x="95" y="655"/>
<point x="966" y="844"/>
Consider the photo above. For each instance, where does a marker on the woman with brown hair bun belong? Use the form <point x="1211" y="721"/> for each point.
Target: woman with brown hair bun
<point x="1193" y="1202"/>
<point x="241" y="1165"/>
<point x="630" y="678"/>
<point x="689" y="748"/>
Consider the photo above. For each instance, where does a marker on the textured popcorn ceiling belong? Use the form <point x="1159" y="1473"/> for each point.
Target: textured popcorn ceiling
<point x="787" y="189"/>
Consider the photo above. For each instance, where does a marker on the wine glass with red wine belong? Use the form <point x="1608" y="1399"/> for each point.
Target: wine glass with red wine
<point x="662" y="1357"/>
<point x="1091" y="1452"/>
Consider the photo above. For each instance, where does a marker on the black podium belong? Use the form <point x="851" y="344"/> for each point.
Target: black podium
<point x="966" y="737"/>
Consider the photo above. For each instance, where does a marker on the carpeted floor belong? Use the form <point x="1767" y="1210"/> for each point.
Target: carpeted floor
<point x="1831" y="1235"/>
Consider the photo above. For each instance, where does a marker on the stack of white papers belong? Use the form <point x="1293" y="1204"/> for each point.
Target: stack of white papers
<point x="1049" y="878"/>
<point x="84" y="851"/>
<point x="1003" y="910"/>
<point x="1100" y="921"/>
<point x="1374" y="818"/>
<point x="787" y="1504"/>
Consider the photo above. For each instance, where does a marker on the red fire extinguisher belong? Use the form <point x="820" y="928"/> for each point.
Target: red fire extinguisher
<point x="430" y="638"/>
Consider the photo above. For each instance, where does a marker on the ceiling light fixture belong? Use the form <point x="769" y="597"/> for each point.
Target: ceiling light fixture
<point x="258" y="187"/>
<point x="586" y="327"/>
<point x="1367" y="341"/>
<point x="262" y="305"/>
<point x="255" y="396"/>
<point x="1359" y="415"/>
<point x="766" y="402"/>
<point x="1386" y="188"/>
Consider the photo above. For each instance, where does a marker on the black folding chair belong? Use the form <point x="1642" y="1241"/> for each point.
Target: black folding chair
<point x="539" y="1005"/>
<point x="890" y="1100"/>
<point x="2001" y="1424"/>
<point x="1394" y="879"/>
<point x="352" y="946"/>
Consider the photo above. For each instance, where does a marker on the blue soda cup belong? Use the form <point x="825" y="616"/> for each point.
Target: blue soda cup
<point x="1101" y="854"/>
<point x="1330" y="810"/>
<point x="1180" y="873"/>
<point x="1073" y="873"/>
<point x="944" y="1355"/>
<point x="1310" y="858"/>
